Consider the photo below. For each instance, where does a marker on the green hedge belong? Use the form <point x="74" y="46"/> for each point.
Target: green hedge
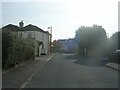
<point x="16" y="50"/>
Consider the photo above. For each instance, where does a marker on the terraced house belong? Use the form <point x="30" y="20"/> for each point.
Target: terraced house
<point x="31" y="31"/>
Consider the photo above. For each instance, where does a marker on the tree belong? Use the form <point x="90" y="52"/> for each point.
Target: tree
<point x="55" y="46"/>
<point x="114" y="41"/>
<point x="91" y="38"/>
<point x="114" y="45"/>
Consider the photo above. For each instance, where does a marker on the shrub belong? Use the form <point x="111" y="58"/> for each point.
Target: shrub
<point x="16" y="50"/>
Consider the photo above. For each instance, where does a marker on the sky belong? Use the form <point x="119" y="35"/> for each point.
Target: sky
<point x="65" y="16"/>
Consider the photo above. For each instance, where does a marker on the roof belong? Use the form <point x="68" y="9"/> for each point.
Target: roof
<point x="29" y="27"/>
<point x="10" y="27"/>
<point x="66" y="39"/>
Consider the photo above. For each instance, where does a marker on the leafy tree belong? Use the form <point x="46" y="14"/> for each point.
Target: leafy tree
<point x="55" y="46"/>
<point x="91" y="38"/>
<point x="114" y="44"/>
<point x="115" y="41"/>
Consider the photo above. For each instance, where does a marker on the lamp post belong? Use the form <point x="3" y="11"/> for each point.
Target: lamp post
<point x="50" y="42"/>
<point x="107" y="35"/>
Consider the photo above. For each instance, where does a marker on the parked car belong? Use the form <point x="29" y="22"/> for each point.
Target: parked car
<point x="115" y="56"/>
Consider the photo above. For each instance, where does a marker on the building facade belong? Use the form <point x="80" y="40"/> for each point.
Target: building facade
<point x="41" y="37"/>
<point x="68" y="45"/>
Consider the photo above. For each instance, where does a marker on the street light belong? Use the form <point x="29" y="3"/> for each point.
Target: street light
<point x="50" y="37"/>
<point x="107" y="35"/>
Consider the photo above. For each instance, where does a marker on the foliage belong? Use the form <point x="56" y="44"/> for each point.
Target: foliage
<point x="91" y="38"/>
<point x="55" y="46"/>
<point x="16" y="50"/>
<point x="114" y="41"/>
<point x="114" y="44"/>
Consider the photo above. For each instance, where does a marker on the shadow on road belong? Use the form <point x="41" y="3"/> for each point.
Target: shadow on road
<point x="86" y="61"/>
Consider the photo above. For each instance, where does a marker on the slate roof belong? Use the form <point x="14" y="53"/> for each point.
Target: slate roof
<point x="29" y="27"/>
<point x="10" y="27"/>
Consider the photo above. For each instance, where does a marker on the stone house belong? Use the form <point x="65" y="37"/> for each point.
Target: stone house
<point x="31" y="31"/>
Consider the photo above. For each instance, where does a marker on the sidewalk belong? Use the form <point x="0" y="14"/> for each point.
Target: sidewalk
<point x="113" y="66"/>
<point x="16" y="77"/>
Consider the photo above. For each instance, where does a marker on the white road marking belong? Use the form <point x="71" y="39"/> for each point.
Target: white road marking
<point x="30" y="77"/>
<point x="50" y="57"/>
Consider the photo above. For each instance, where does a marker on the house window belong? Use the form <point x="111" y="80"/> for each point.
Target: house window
<point x="29" y="35"/>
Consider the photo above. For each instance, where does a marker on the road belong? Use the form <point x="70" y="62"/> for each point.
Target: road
<point x="74" y="71"/>
<point x="18" y="75"/>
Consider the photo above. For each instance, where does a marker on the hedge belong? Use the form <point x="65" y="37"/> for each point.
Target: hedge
<point x="16" y="50"/>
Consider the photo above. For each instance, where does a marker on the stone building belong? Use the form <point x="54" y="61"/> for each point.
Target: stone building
<point x="31" y="31"/>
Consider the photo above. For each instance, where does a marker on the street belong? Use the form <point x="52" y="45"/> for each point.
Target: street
<point x="74" y="71"/>
<point x="16" y="77"/>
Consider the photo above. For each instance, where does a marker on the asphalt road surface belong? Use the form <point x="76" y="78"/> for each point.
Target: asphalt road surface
<point x="74" y="71"/>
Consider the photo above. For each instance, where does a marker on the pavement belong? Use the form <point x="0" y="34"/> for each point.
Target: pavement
<point x="113" y="65"/>
<point x="19" y="75"/>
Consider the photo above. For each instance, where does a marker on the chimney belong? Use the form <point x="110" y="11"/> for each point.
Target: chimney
<point x="21" y="24"/>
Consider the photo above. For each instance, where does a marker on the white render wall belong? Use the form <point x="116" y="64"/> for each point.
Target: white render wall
<point x="43" y="37"/>
<point x="25" y="34"/>
<point x="46" y="42"/>
<point x="39" y="36"/>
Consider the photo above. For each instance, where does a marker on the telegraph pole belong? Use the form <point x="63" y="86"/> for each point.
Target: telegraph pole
<point x="50" y="38"/>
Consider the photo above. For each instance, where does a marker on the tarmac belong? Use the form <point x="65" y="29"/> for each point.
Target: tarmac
<point x="20" y="74"/>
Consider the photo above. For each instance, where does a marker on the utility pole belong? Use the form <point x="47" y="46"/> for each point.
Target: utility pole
<point x="50" y="38"/>
<point x="108" y="35"/>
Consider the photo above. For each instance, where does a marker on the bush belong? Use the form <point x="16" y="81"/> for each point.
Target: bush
<point x="115" y="57"/>
<point x="16" y="50"/>
<point x="91" y="39"/>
